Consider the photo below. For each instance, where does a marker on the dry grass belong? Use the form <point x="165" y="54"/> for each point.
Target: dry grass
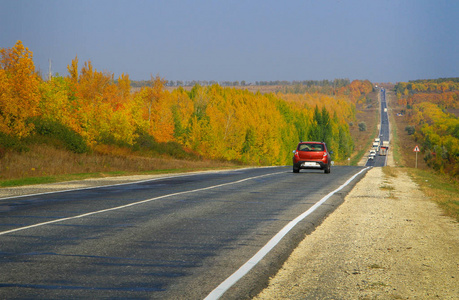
<point x="389" y="171"/>
<point x="406" y="142"/>
<point x="369" y="114"/>
<point x="387" y="187"/>
<point x="440" y="189"/>
<point x="44" y="160"/>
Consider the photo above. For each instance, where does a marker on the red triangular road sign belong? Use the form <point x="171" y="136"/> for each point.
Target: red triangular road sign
<point x="416" y="149"/>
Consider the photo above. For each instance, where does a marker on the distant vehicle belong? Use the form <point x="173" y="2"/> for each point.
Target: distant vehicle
<point x="384" y="148"/>
<point x="372" y="154"/>
<point x="376" y="146"/>
<point x="311" y="155"/>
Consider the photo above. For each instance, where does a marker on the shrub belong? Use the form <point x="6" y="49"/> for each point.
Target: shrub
<point x="144" y="141"/>
<point x="410" y="130"/>
<point x="12" y="142"/>
<point x="110" y="139"/>
<point x="71" y="140"/>
<point x="362" y="126"/>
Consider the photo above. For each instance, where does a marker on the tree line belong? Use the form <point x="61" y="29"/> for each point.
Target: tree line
<point x="93" y="108"/>
<point x="336" y="83"/>
<point x="437" y="130"/>
<point x="440" y="85"/>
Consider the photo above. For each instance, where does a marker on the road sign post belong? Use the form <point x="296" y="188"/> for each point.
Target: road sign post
<point x="416" y="149"/>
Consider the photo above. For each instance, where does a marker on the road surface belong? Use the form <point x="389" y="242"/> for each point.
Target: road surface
<point x="384" y="132"/>
<point x="178" y="237"/>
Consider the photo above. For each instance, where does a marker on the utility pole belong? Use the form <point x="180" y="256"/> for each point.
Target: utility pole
<point x="49" y="70"/>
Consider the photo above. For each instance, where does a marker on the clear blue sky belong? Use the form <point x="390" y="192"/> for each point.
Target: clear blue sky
<point x="383" y="41"/>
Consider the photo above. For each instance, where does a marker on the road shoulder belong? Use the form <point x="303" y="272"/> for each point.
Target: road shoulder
<point x="385" y="241"/>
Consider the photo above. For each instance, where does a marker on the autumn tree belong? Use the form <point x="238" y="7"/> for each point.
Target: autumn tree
<point x="216" y="122"/>
<point x="157" y="106"/>
<point x="92" y="104"/>
<point x="19" y="93"/>
<point x="438" y="133"/>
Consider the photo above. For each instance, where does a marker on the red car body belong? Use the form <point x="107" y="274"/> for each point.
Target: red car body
<point x="311" y="155"/>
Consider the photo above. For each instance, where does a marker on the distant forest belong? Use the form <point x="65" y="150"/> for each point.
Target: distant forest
<point x="336" y="83"/>
<point x="429" y="106"/>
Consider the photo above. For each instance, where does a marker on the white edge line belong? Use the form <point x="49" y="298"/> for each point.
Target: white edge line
<point x="245" y="268"/>
<point x="133" y="204"/>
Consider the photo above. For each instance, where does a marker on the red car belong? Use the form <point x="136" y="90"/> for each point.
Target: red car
<point x="311" y="155"/>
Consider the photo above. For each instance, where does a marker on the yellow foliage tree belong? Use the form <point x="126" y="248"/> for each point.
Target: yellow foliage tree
<point x="19" y="92"/>
<point x="160" y="118"/>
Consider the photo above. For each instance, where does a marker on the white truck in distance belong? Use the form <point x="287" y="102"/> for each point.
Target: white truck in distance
<point x="384" y="148"/>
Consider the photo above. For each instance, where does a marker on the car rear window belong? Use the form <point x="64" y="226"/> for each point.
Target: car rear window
<point x="311" y="147"/>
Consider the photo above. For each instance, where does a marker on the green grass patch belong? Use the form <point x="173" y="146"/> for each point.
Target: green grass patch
<point x="54" y="179"/>
<point x="27" y="181"/>
<point x="394" y="146"/>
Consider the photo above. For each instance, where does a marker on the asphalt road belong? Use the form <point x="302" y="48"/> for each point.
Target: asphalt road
<point x="384" y="132"/>
<point x="172" y="238"/>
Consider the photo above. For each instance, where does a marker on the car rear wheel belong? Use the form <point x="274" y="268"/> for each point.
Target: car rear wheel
<point x="296" y="170"/>
<point x="327" y="170"/>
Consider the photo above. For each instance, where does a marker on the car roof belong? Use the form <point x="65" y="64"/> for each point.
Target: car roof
<point x="312" y="143"/>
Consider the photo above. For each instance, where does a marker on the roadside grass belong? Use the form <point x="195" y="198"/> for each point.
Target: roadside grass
<point x="71" y="177"/>
<point x="361" y="153"/>
<point x="395" y="142"/>
<point x="439" y="188"/>
<point x="28" y="181"/>
<point x="47" y="164"/>
<point x="378" y="284"/>
<point x="390" y="171"/>
<point x="375" y="266"/>
<point x="364" y="139"/>
<point x="387" y="187"/>
<point x="358" y="156"/>
<point x="403" y="143"/>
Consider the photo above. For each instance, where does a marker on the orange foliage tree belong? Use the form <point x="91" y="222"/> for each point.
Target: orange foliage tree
<point x="156" y="105"/>
<point x="357" y="90"/>
<point x="19" y="92"/>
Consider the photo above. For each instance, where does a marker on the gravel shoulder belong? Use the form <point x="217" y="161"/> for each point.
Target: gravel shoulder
<point x="386" y="241"/>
